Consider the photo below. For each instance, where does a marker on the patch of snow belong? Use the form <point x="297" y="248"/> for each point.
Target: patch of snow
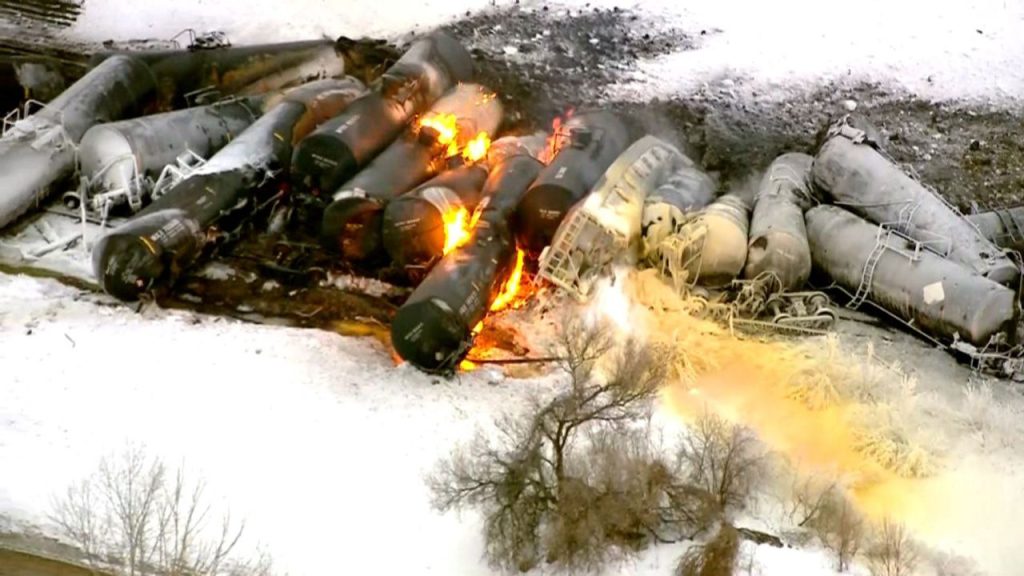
<point x="363" y="285"/>
<point x="319" y="439"/>
<point x="217" y="271"/>
<point x="968" y="50"/>
<point x="264" y="20"/>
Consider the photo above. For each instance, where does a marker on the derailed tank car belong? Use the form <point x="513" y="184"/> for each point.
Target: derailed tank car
<point x="435" y="328"/>
<point x="420" y="227"/>
<point x="333" y="153"/>
<point x="123" y="160"/>
<point x="587" y="144"/>
<point x="942" y="297"/>
<point x="606" y="225"/>
<point x="39" y="151"/>
<point x="352" y="222"/>
<point x="778" y="237"/>
<point x="859" y="177"/>
<point x="154" y="248"/>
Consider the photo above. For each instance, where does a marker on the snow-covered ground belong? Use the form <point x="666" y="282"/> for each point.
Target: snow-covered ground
<point x="968" y="49"/>
<point x="318" y="440"/>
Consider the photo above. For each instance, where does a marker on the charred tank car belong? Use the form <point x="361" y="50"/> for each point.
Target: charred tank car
<point x="333" y="153"/>
<point x="352" y="222"/>
<point x="587" y="145"/>
<point x="422" y="226"/>
<point x="435" y="328"/>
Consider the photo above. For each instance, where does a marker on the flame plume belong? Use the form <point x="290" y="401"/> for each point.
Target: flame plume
<point x="510" y="288"/>
<point x="476" y="149"/>
<point x="458" y="227"/>
<point x="446" y="126"/>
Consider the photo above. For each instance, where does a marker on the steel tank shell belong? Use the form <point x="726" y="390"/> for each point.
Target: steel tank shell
<point x="38" y="151"/>
<point x="857" y="176"/>
<point x="670" y="205"/>
<point x="111" y="154"/>
<point x="1003" y="227"/>
<point x="433" y="329"/>
<point x="606" y="225"/>
<point x="940" y="296"/>
<point x="778" y="236"/>
<point x="710" y="249"/>
<point x="593" y="140"/>
<point x="151" y="250"/>
<point x="413" y="226"/>
<point x="352" y="222"/>
<point x="329" y="156"/>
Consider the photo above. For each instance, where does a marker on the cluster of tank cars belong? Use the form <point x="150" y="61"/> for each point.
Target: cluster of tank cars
<point x="193" y="143"/>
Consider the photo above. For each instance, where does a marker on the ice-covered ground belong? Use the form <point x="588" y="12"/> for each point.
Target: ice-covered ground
<point x="317" y="439"/>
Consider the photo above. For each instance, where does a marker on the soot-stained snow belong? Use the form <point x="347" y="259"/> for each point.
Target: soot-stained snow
<point x="546" y="60"/>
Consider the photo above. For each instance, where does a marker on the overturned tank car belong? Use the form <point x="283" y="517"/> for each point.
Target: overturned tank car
<point x="420" y="227"/>
<point x="939" y="296"/>
<point x="858" y="176"/>
<point x="778" y="237"/>
<point x="710" y="248"/>
<point x="586" y="144"/>
<point x="435" y="328"/>
<point x="125" y="162"/>
<point x="151" y="250"/>
<point x="606" y="224"/>
<point x="336" y="151"/>
<point x="38" y="152"/>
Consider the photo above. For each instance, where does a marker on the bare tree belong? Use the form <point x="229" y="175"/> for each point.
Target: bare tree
<point x="129" y="485"/>
<point x="134" y="519"/>
<point x="717" y="557"/>
<point x="552" y="485"/>
<point x="181" y="546"/>
<point x="840" y="528"/>
<point x="807" y="498"/>
<point x="76" y="516"/>
<point x="723" y="459"/>
<point x="893" y="553"/>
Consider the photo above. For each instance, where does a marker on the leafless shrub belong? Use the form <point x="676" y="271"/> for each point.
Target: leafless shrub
<point x="948" y="564"/>
<point x="893" y="552"/>
<point x="717" y="557"/>
<point x="723" y="459"/>
<point x="574" y="480"/>
<point x="133" y="518"/>
<point x="840" y="528"/>
<point x="806" y="499"/>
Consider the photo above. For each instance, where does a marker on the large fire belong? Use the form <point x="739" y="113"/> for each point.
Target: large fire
<point x="458" y="227"/>
<point x="510" y="289"/>
<point x="447" y="128"/>
<point x="476" y="149"/>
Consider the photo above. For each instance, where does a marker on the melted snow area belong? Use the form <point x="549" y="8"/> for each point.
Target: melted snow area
<point x="321" y="443"/>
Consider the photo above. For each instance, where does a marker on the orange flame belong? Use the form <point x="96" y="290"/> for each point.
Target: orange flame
<point x="510" y="288"/>
<point x="446" y="126"/>
<point x="558" y="139"/>
<point x="476" y="149"/>
<point x="456" y="228"/>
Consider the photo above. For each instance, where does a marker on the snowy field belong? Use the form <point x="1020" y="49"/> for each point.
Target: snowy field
<point x="964" y="50"/>
<point x="318" y="440"/>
